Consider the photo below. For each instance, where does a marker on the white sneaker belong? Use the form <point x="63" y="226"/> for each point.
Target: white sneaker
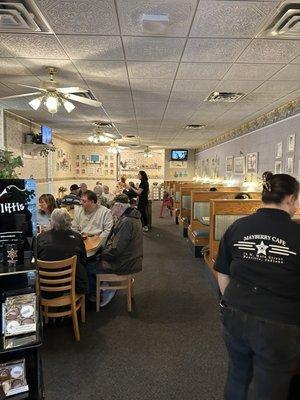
<point x="145" y="229"/>
<point x="107" y="296"/>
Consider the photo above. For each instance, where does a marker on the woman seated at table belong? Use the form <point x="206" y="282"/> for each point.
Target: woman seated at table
<point x="61" y="242"/>
<point x="47" y="204"/>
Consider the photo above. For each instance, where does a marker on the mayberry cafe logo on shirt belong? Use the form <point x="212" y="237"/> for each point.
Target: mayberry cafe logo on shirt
<point x="264" y="248"/>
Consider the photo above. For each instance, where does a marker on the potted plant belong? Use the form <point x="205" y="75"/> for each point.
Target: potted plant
<point x="8" y="165"/>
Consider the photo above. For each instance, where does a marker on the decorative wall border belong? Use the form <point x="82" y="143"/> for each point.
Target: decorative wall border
<point x="269" y="118"/>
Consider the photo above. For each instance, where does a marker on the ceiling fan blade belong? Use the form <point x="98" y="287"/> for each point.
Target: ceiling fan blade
<point x="83" y="100"/>
<point x="20" y="95"/>
<point x="72" y="89"/>
<point x="27" y="86"/>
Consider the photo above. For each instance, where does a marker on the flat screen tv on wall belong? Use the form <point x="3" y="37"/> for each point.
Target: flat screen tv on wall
<point x="46" y="134"/>
<point x="179" y="155"/>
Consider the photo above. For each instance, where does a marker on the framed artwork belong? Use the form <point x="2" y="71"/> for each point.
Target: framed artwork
<point x="290" y="165"/>
<point x="278" y="150"/>
<point x="251" y="162"/>
<point x="83" y="171"/>
<point x="77" y="157"/>
<point x="239" y="165"/>
<point x="229" y="163"/>
<point x="291" y="141"/>
<point x="77" y="163"/>
<point x="278" y="167"/>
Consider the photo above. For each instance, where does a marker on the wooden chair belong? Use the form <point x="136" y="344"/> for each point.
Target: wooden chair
<point x="126" y="282"/>
<point x="56" y="277"/>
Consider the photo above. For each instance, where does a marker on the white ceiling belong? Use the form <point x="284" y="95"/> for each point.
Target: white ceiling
<point x="152" y="86"/>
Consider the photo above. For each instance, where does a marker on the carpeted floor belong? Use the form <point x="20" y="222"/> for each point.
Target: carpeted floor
<point x="169" y="348"/>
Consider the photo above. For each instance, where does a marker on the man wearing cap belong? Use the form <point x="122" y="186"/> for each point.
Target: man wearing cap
<point x="123" y="251"/>
<point x="72" y="199"/>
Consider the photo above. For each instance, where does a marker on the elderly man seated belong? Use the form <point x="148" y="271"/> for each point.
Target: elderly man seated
<point x="72" y="199"/>
<point x="60" y="242"/>
<point x="123" y="252"/>
<point x="92" y="218"/>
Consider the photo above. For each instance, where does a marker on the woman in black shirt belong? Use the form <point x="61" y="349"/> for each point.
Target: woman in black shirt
<point x="142" y="193"/>
<point x="258" y="267"/>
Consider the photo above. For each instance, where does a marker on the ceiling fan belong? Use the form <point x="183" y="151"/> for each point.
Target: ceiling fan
<point x="148" y="152"/>
<point x="53" y="97"/>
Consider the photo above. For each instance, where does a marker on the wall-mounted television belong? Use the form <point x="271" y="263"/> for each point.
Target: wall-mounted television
<point x="46" y="134"/>
<point x="179" y="155"/>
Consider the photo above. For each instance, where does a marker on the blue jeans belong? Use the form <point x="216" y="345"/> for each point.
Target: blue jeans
<point x="263" y="352"/>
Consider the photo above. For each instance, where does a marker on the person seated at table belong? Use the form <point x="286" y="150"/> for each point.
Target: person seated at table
<point x="92" y="218"/>
<point x="213" y="189"/>
<point x="107" y="195"/>
<point x="47" y="204"/>
<point x="72" y="199"/>
<point x="123" y="251"/>
<point x="121" y="185"/>
<point x="82" y="189"/>
<point x="60" y="242"/>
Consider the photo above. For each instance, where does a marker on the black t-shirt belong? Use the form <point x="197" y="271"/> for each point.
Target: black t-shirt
<point x="261" y="253"/>
<point x="143" y="197"/>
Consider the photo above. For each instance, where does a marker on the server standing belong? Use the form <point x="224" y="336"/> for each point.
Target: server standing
<point x="143" y="192"/>
<point x="258" y="269"/>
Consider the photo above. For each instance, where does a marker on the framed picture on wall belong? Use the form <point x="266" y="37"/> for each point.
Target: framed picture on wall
<point x="239" y="165"/>
<point x="278" y="150"/>
<point x="229" y="163"/>
<point x="290" y="165"/>
<point x="278" y="167"/>
<point x="291" y="142"/>
<point x="252" y="162"/>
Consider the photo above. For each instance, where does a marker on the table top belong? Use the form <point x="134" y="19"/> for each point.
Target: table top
<point x="92" y="243"/>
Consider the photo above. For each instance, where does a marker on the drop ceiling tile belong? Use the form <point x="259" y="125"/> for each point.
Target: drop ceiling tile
<point x="81" y="16"/>
<point x="289" y="73"/>
<point x="101" y="69"/>
<point x="13" y="81"/>
<point x="270" y="51"/>
<point x="152" y="85"/>
<point x="188" y="97"/>
<point x="296" y="60"/>
<point x="238" y="86"/>
<point x="278" y="87"/>
<point x="192" y="85"/>
<point x="107" y="84"/>
<point x="5" y="91"/>
<point x="37" y="66"/>
<point x="202" y="70"/>
<point x="229" y="19"/>
<point x="32" y="46"/>
<point x="180" y="14"/>
<point x="11" y="66"/>
<point x="146" y="70"/>
<point x="251" y="72"/>
<point x="92" y="47"/>
<point x="113" y="96"/>
<point x="150" y="96"/>
<point x="153" y="49"/>
<point x="214" y="50"/>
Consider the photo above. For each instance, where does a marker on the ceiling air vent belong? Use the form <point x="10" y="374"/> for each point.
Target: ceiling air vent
<point x="195" y="127"/>
<point x="87" y="95"/>
<point x="103" y="124"/>
<point x="224" y="97"/>
<point x="284" y="23"/>
<point x="22" y="16"/>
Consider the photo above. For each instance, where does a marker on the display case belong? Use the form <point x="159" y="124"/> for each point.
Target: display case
<point x="20" y="322"/>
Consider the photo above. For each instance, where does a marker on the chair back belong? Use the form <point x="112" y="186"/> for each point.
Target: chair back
<point x="57" y="276"/>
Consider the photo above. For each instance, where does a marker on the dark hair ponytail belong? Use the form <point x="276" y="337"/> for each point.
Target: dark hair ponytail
<point x="277" y="187"/>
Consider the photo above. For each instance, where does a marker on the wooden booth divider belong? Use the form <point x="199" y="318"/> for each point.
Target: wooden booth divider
<point x="198" y="230"/>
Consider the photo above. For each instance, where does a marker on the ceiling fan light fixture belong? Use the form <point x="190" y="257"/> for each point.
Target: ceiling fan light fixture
<point x="112" y="150"/>
<point x="91" y="138"/>
<point x="36" y="103"/>
<point x="52" y="103"/>
<point x="69" y="107"/>
<point x="103" y="139"/>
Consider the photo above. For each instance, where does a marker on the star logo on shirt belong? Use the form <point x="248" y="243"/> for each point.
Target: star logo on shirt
<point x="261" y="248"/>
<point x="12" y="254"/>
